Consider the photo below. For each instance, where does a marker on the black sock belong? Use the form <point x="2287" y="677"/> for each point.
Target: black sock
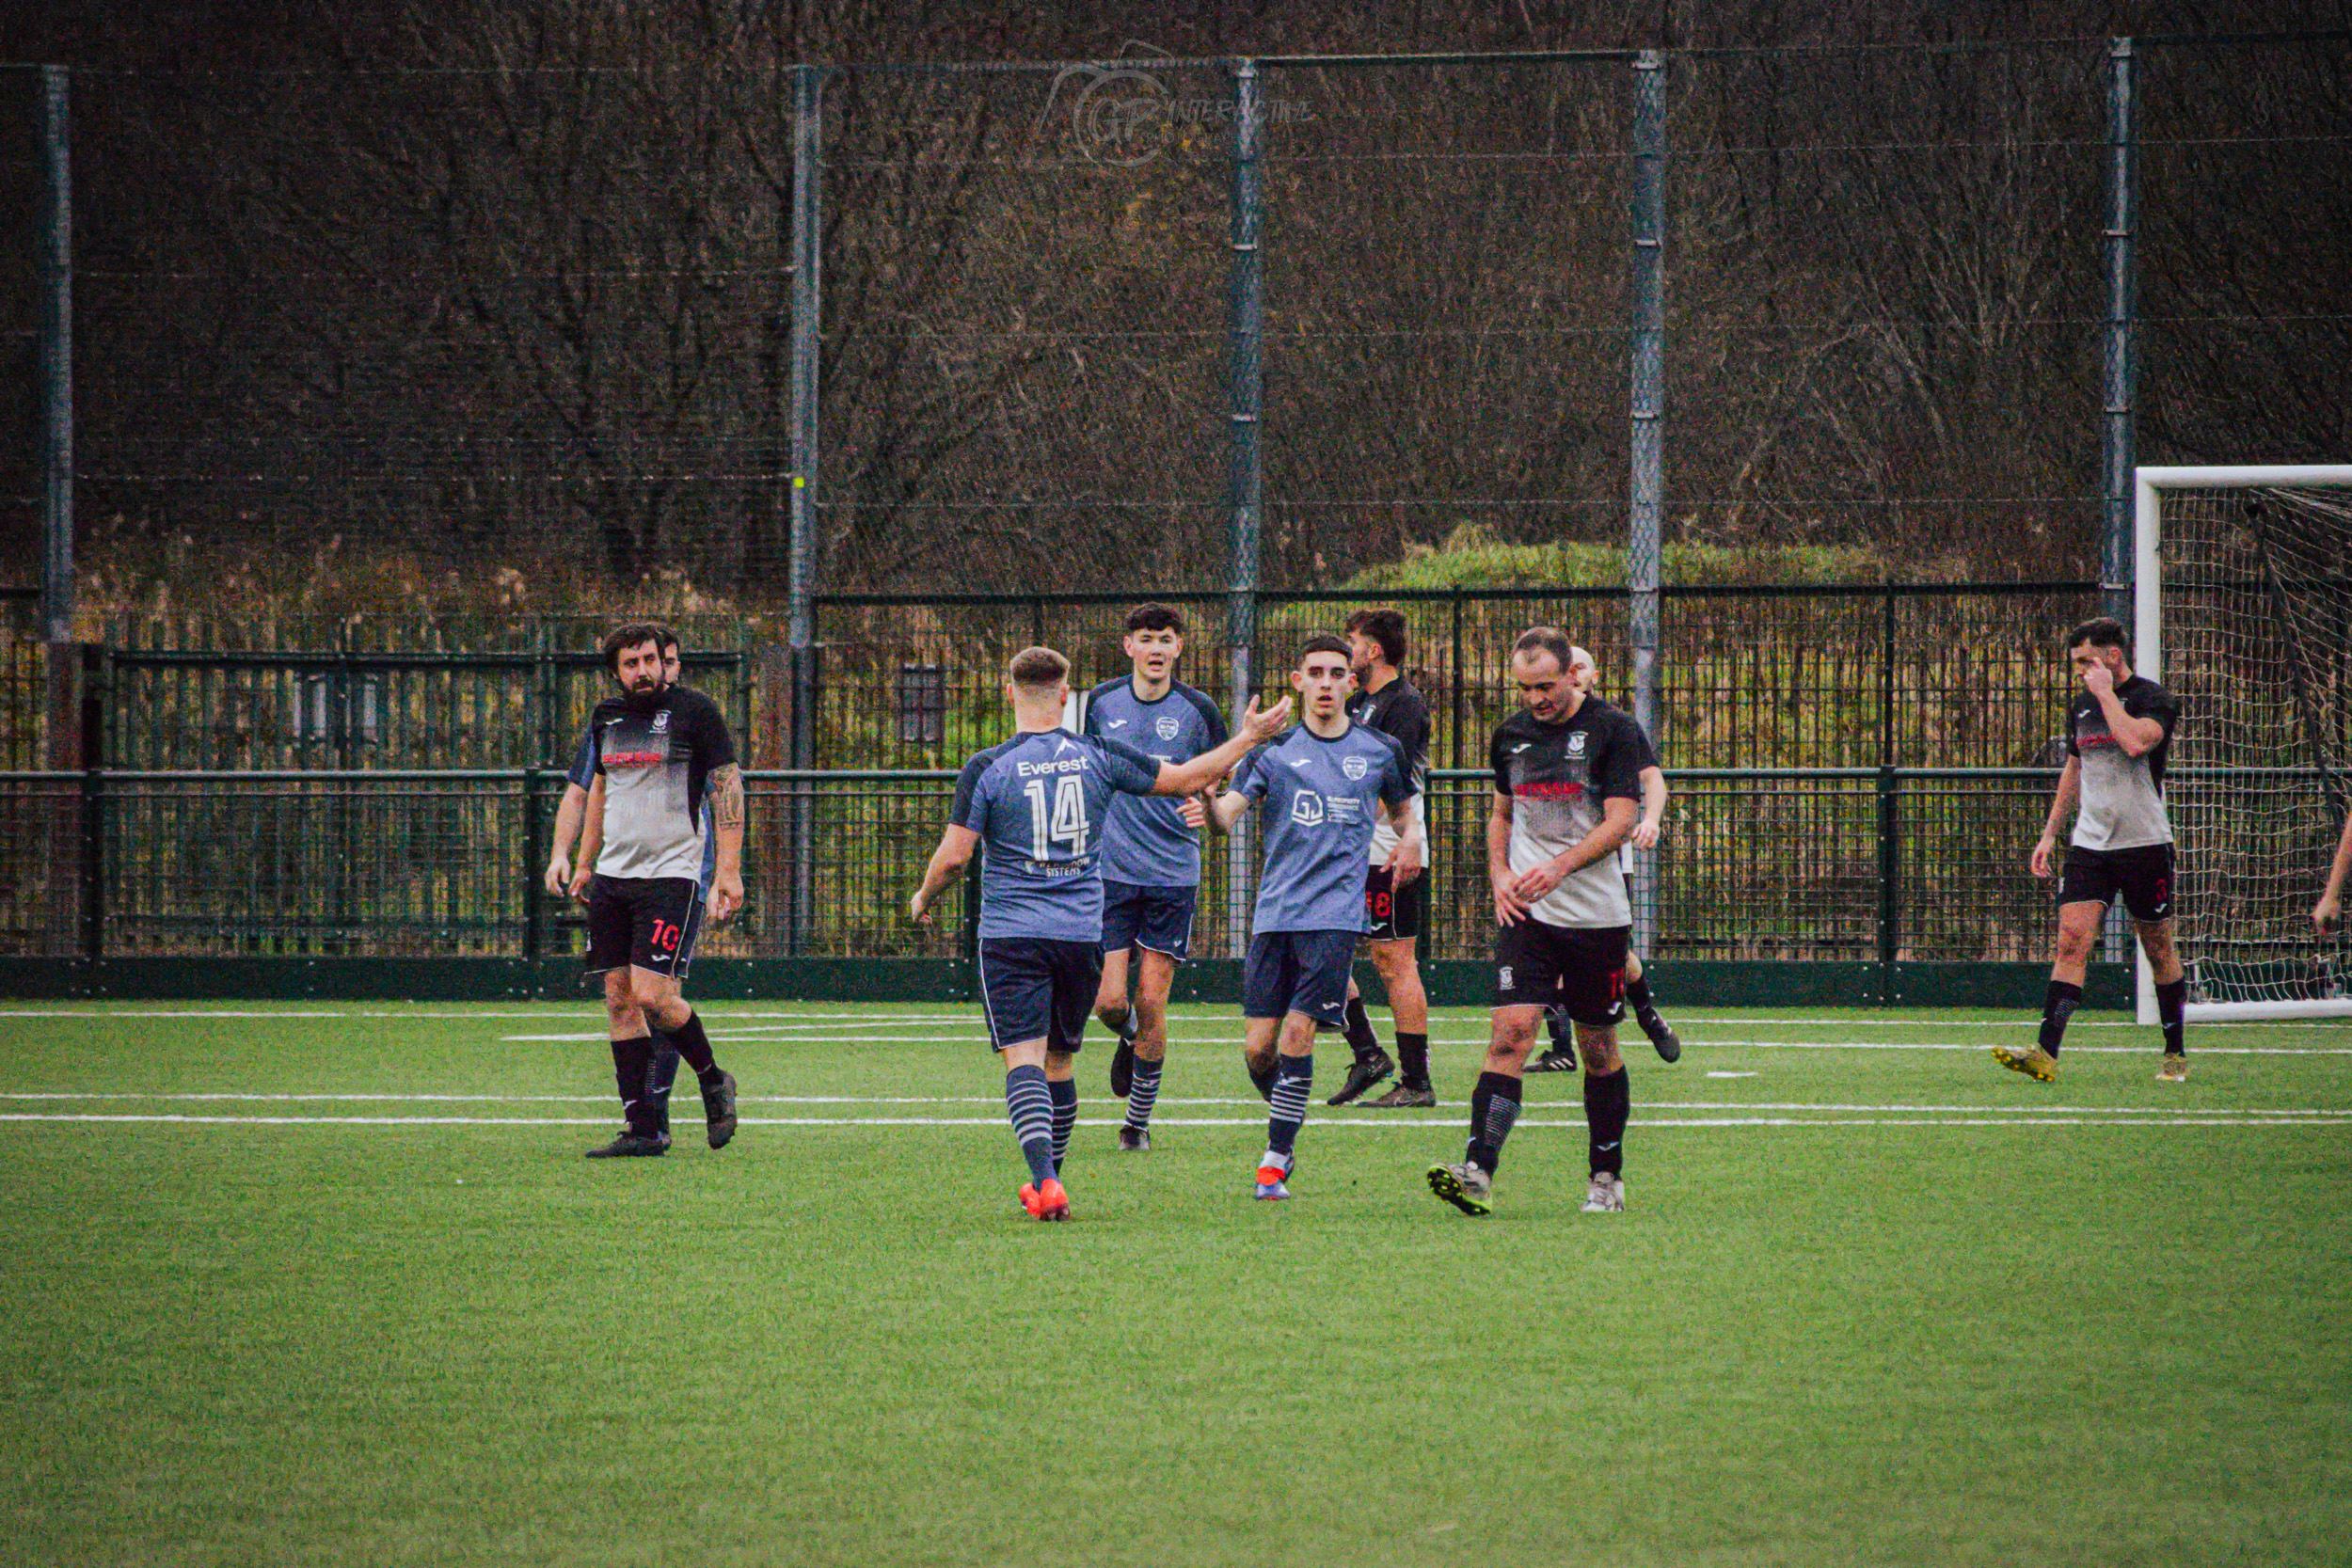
<point x="695" y="1046"/>
<point x="660" y="1076"/>
<point x="2170" y="1001"/>
<point x="1063" y="1093"/>
<point x="1494" y="1106"/>
<point x="1360" y="1038"/>
<point x="1412" y="1059"/>
<point x="1608" y="1102"/>
<point x="1637" y="993"/>
<point x="2057" y="1005"/>
<point x="632" y="1065"/>
<point x="1556" y="1024"/>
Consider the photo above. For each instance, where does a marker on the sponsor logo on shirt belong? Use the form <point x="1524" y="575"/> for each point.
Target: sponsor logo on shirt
<point x="634" y="759"/>
<point x="1346" y="807"/>
<point x="1059" y="764"/>
<point x="1306" y="808"/>
<point x="1168" y="728"/>
<point x="1355" y="767"/>
<point x="1552" y="789"/>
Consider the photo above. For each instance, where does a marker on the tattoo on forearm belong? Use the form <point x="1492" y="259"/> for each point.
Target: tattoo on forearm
<point x="726" y="796"/>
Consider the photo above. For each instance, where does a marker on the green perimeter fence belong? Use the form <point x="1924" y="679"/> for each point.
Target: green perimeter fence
<point x="1841" y="884"/>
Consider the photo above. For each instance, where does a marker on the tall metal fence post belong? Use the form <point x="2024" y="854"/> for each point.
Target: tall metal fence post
<point x="1890" y="935"/>
<point x="56" y="358"/>
<point x="534" y="862"/>
<point x="1246" y="472"/>
<point x="1646" y="508"/>
<point x="2119" y="372"/>
<point x="807" y="301"/>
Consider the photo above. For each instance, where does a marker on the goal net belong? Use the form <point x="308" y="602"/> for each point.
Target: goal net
<point x="2244" y="612"/>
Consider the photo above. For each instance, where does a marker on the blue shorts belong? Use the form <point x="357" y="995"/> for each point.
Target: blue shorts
<point x="1159" y="918"/>
<point x="1299" y="972"/>
<point x="1036" y="988"/>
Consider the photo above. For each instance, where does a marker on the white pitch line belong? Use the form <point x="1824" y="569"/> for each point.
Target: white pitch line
<point x="997" y="1123"/>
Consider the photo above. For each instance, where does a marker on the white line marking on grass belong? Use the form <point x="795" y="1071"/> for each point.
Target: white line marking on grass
<point x="1731" y="1075"/>
<point x="997" y="1123"/>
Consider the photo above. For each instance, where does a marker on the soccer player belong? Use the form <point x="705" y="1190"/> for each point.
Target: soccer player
<point x="1322" y="786"/>
<point x="1037" y="801"/>
<point x="1396" y="899"/>
<point x="1561" y="1057"/>
<point x="567" y="876"/>
<point x="1568" y="777"/>
<point x="2329" y="911"/>
<point x="1150" y="856"/>
<point x="2118" y="734"/>
<point x="660" y="751"/>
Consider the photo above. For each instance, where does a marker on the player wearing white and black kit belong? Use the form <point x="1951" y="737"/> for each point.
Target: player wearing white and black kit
<point x="1562" y="1056"/>
<point x="1568" y="782"/>
<point x="1396" y="898"/>
<point x="2118" y="734"/>
<point x="659" y="750"/>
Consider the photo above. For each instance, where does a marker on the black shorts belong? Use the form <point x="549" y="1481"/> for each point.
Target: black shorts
<point x="1038" y="989"/>
<point x="1159" y="918"/>
<point x="2143" y="876"/>
<point x="1299" y="972"/>
<point x="648" y="922"/>
<point x="1395" y="913"/>
<point x="1580" y="968"/>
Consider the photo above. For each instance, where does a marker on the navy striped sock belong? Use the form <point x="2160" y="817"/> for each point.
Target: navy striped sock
<point x="1065" y="1095"/>
<point x="1143" y="1093"/>
<point x="1293" y="1081"/>
<point x="1030" y="1104"/>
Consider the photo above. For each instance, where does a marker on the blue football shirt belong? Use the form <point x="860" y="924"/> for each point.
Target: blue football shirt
<point x="1038" y="802"/>
<point x="1319" y="801"/>
<point x="1145" y="840"/>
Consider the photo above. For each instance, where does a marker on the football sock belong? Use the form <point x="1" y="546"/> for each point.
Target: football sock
<point x="2057" y="1005"/>
<point x="1030" y="1104"/>
<point x="695" y="1046"/>
<point x="2170" y="1001"/>
<point x="1556" y="1025"/>
<point x="1118" y="1019"/>
<point x="1637" y="994"/>
<point x="1294" y="1081"/>
<point x="664" y="1073"/>
<point x="1065" y="1097"/>
<point x="1412" y="1059"/>
<point x="632" y="1063"/>
<point x="1143" y="1092"/>
<point x="1361" y="1038"/>
<point x="1608" y="1102"/>
<point x="1494" y="1106"/>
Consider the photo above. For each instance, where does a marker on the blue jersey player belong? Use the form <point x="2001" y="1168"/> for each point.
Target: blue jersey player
<point x="1150" y="856"/>
<point x="1037" y="803"/>
<point x="1320" y="786"/>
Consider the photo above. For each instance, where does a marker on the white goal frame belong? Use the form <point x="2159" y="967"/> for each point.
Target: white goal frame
<point x="2148" y="659"/>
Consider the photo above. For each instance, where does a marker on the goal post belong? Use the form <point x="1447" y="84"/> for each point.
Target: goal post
<point x="2242" y="607"/>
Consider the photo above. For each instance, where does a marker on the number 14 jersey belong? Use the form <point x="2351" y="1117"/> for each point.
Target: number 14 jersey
<point x="1038" y="801"/>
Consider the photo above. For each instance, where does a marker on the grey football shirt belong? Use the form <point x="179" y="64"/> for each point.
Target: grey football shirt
<point x="1557" y="777"/>
<point x="2122" y="796"/>
<point x="655" y="754"/>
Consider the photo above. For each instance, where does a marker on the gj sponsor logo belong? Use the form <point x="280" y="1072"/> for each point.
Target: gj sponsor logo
<point x="1306" y="808"/>
<point x="1125" y="114"/>
<point x="1166" y="728"/>
<point x="1355" y="767"/>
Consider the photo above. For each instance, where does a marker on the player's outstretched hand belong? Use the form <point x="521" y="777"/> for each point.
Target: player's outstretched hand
<point x="580" y="880"/>
<point x="2042" y="848"/>
<point x="1196" y="816"/>
<point x="1646" y="835"/>
<point x="919" y="909"/>
<point x="726" y="896"/>
<point x="1403" y="863"/>
<point x="1531" y="886"/>
<point x="559" y="878"/>
<point x="1262" y="725"/>
<point x="2326" y="915"/>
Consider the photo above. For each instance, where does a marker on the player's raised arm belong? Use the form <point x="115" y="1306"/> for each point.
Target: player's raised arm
<point x="2329" y="912"/>
<point x="1257" y="727"/>
<point x="2061" y="805"/>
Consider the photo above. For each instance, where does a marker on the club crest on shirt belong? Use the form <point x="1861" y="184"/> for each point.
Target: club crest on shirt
<point x="1576" y="744"/>
<point x="1355" y="767"/>
<point x="1166" y="727"/>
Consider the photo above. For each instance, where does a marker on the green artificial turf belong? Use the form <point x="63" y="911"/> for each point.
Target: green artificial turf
<point x="1943" y="1316"/>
